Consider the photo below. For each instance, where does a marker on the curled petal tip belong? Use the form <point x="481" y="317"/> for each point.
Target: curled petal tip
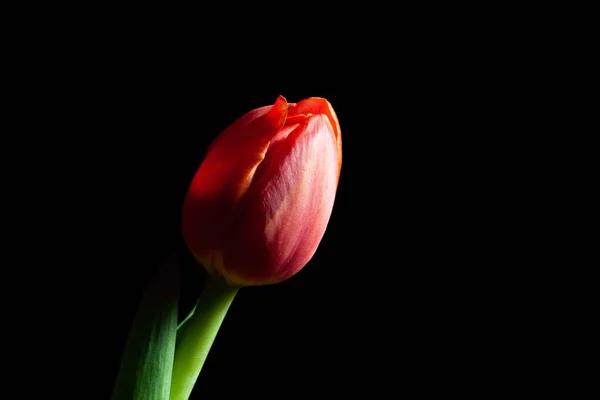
<point x="278" y="112"/>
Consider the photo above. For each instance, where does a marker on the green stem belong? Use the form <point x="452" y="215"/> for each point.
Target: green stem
<point x="195" y="338"/>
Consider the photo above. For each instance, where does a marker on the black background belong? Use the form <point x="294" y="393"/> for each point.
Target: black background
<point x="378" y="301"/>
<point x="396" y="295"/>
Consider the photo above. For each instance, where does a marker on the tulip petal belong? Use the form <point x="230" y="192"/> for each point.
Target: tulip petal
<point x="319" y="105"/>
<point x="287" y="208"/>
<point x="224" y="177"/>
<point x="249" y="126"/>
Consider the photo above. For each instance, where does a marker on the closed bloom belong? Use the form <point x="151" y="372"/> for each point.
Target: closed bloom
<point x="259" y="204"/>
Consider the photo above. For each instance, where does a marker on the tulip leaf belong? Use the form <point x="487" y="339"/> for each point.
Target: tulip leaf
<point x="147" y="362"/>
<point x="188" y="316"/>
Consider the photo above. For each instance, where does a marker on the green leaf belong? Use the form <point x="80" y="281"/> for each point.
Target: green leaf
<point x="192" y="311"/>
<point x="147" y="362"/>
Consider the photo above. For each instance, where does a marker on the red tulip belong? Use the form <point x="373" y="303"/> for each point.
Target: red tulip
<point x="261" y="200"/>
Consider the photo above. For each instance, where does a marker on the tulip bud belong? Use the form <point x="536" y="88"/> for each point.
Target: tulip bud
<point x="260" y="202"/>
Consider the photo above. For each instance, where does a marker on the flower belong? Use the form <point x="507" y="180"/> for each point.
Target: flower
<point x="259" y="204"/>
